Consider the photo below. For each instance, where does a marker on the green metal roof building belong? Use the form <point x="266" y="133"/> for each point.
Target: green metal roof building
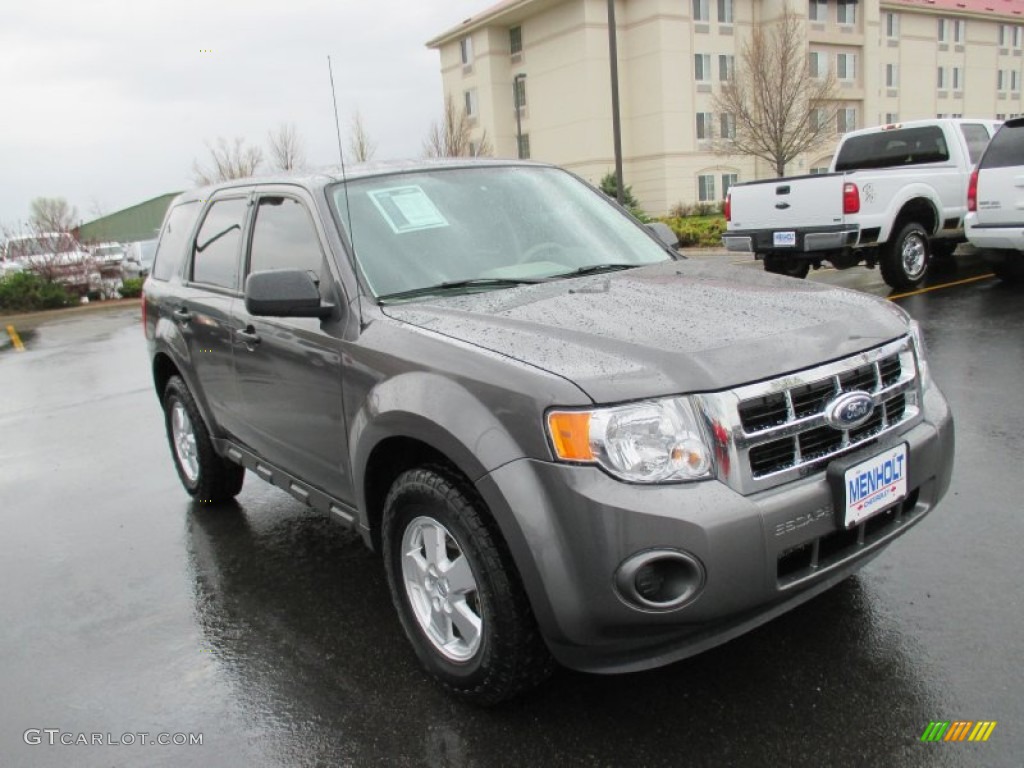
<point x="139" y="222"/>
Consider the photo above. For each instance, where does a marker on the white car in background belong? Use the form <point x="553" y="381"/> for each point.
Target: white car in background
<point x="55" y="256"/>
<point x="995" y="203"/>
<point x="138" y="259"/>
<point x="108" y="255"/>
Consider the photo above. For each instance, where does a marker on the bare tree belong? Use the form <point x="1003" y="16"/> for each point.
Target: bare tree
<point x="360" y="144"/>
<point x="52" y="214"/>
<point x="227" y="161"/>
<point x="779" y="109"/>
<point x="453" y="136"/>
<point x="286" y="149"/>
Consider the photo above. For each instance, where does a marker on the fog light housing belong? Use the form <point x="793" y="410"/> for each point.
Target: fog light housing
<point x="659" y="579"/>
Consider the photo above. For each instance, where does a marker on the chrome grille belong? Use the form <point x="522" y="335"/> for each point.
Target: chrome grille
<point x="778" y="428"/>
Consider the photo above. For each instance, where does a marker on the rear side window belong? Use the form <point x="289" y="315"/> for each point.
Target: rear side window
<point x="1006" y="147"/>
<point x="216" y="251"/>
<point x="174" y="240"/>
<point x="283" y="237"/>
<point x="976" y="136"/>
<point x="887" y="149"/>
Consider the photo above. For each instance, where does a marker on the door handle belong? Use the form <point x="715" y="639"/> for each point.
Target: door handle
<point x="182" y="315"/>
<point x="249" y="335"/>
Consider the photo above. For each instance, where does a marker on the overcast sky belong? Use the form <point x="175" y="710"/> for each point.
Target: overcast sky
<point x="108" y="102"/>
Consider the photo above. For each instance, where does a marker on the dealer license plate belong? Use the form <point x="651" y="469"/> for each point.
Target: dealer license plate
<point x="875" y="484"/>
<point x="784" y="239"/>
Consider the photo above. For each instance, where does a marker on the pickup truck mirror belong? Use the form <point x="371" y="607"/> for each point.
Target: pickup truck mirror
<point x="284" y="293"/>
<point x="664" y="233"/>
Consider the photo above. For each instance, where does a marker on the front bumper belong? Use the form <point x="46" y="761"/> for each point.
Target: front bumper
<point x="570" y="528"/>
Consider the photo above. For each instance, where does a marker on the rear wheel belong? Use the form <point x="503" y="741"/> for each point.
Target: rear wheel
<point x="905" y="261"/>
<point x="456" y="589"/>
<point x="786" y="265"/>
<point x="205" y="475"/>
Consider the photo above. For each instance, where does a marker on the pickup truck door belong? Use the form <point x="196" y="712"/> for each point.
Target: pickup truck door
<point x="288" y="370"/>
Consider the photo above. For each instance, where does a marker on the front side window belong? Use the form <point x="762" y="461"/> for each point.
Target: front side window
<point x="283" y="237"/>
<point x="499" y="224"/>
<point x="217" y="245"/>
<point x="174" y="240"/>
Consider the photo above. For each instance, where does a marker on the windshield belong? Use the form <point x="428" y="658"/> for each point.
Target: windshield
<point x="496" y="225"/>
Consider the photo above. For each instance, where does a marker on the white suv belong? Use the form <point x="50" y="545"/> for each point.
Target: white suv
<point x="995" y="203"/>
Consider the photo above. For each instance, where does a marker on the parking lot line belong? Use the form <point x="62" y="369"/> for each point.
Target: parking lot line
<point x="943" y="285"/>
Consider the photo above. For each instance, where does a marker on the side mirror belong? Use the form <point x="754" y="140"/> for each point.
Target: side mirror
<point x="664" y="233"/>
<point x="284" y="293"/>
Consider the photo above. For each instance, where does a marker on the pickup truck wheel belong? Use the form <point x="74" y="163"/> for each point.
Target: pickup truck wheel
<point x="784" y="265"/>
<point x="905" y="262"/>
<point x="205" y="475"/>
<point x="456" y="590"/>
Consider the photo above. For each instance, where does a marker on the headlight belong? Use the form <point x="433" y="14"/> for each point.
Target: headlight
<point x="653" y="441"/>
<point x="919" y="351"/>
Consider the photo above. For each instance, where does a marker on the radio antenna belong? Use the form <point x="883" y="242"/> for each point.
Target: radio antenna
<point x="348" y="207"/>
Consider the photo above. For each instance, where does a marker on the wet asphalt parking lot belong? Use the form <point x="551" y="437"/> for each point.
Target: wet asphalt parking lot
<point x="266" y="630"/>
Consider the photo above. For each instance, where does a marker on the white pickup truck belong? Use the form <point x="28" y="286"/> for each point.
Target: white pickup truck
<point x="894" y="196"/>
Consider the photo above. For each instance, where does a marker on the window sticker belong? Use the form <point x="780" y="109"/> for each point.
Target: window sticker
<point x="407" y="209"/>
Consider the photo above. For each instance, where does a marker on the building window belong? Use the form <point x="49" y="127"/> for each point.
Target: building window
<point x="1000" y="116"/>
<point x="515" y="40"/>
<point x="846" y="13"/>
<point x="524" y="146"/>
<point x="706" y="188"/>
<point x="728" y="179"/>
<point x="958" y="79"/>
<point x="892" y="117"/>
<point x="892" y="25"/>
<point x="726" y="65"/>
<point x="1016" y="37"/>
<point x="892" y="76"/>
<point x="1014" y="80"/>
<point x="519" y="92"/>
<point x="846" y="66"/>
<point x="702" y="67"/>
<point x="846" y="119"/>
<point x="819" y="118"/>
<point x="466" y="51"/>
<point x="727" y="125"/>
<point x="942" y="79"/>
<point x="701" y="11"/>
<point x="1000" y="80"/>
<point x="940" y="33"/>
<point x="1009" y="34"/>
<point x="959" y="30"/>
<point x="817" y="65"/>
<point x="725" y="11"/>
<point x="819" y="170"/>
<point x="703" y="125"/>
<point x="817" y="10"/>
<point x="471" y="104"/>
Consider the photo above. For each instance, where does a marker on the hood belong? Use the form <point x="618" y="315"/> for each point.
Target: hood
<point x="670" y="328"/>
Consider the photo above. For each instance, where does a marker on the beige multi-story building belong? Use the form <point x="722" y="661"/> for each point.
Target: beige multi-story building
<point x="535" y="75"/>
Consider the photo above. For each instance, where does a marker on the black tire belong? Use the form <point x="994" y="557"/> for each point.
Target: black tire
<point x="904" y="262"/>
<point x="208" y="477"/>
<point x="1010" y="270"/>
<point x="505" y="655"/>
<point x="786" y="265"/>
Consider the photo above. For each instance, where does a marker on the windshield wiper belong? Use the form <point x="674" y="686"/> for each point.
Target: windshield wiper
<point x="595" y="269"/>
<point x="454" y="285"/>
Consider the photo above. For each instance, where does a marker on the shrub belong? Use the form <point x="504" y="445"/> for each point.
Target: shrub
<point x="28" y="291"/>
<point x="131" y="288"/>
<point x="610" y="186"/>
<point x="697" y="231"/>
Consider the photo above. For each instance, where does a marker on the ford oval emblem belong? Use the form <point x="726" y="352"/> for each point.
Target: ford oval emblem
<point x="849" y="410"/>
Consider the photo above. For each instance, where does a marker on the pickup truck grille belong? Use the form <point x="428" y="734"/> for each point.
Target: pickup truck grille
<point x="778" y="427"/>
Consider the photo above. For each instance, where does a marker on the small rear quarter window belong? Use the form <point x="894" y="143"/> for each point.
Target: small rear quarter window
<point x="174" y="240"/>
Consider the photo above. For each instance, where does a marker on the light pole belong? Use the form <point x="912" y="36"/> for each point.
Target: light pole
<point x="613" y="55"/>
<point x="519" y="108"/>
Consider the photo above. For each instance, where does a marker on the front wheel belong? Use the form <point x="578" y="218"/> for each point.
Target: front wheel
<point x="205" y="475"/>
<point x="456" y="590"/>
<point x="786" y="265"/>
<point x="905" y="261"/>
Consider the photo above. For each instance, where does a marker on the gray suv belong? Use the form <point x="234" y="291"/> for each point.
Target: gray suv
<point x="568" y="442"/>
